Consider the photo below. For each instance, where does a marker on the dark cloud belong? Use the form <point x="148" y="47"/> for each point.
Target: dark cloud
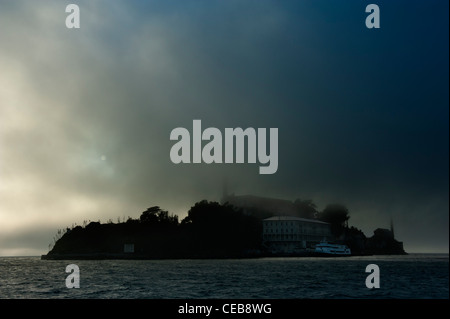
<point x="362" y="115"/>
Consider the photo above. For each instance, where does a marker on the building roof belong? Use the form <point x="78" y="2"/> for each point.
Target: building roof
<point x="293" y="218"/>
<point x="273" y="205"/>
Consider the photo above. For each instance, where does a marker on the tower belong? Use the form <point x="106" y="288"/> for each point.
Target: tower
<point x="392" y="228"/>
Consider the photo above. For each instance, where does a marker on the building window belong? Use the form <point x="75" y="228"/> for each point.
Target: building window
<point x="128" y="248"/>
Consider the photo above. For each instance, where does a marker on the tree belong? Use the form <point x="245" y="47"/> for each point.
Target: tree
<point x="337" y="215"/>
<point x="219" y="230"/>
<point x="306" y="208"/>
<point x="150" y="216"/>
<point x="204" y="212"/>
<point x="156" y="216"/>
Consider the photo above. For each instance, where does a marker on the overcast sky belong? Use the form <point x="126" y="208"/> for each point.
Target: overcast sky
<point x="86" y="114"/>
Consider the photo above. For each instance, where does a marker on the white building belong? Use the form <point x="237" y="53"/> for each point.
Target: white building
<point x="128" y="248"/>
<point x="288" y="234"/>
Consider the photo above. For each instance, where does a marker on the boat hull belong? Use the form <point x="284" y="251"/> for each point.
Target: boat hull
<point x="321" y="254"/>
<point x="332" y="250"/>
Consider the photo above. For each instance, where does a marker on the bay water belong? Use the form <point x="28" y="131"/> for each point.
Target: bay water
<point x="401" y="277"/>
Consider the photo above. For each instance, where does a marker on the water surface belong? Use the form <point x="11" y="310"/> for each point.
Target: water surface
<point x="404" y="277"/>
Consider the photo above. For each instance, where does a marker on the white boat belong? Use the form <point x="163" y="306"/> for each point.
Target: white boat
<point x="331" y="249"/>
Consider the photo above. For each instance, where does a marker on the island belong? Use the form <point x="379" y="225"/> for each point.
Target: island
<point x="238" y="227"/>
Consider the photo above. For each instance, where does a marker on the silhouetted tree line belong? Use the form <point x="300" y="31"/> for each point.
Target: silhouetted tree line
<point x="155" y="216"/>
<point x="209" y="230"/>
